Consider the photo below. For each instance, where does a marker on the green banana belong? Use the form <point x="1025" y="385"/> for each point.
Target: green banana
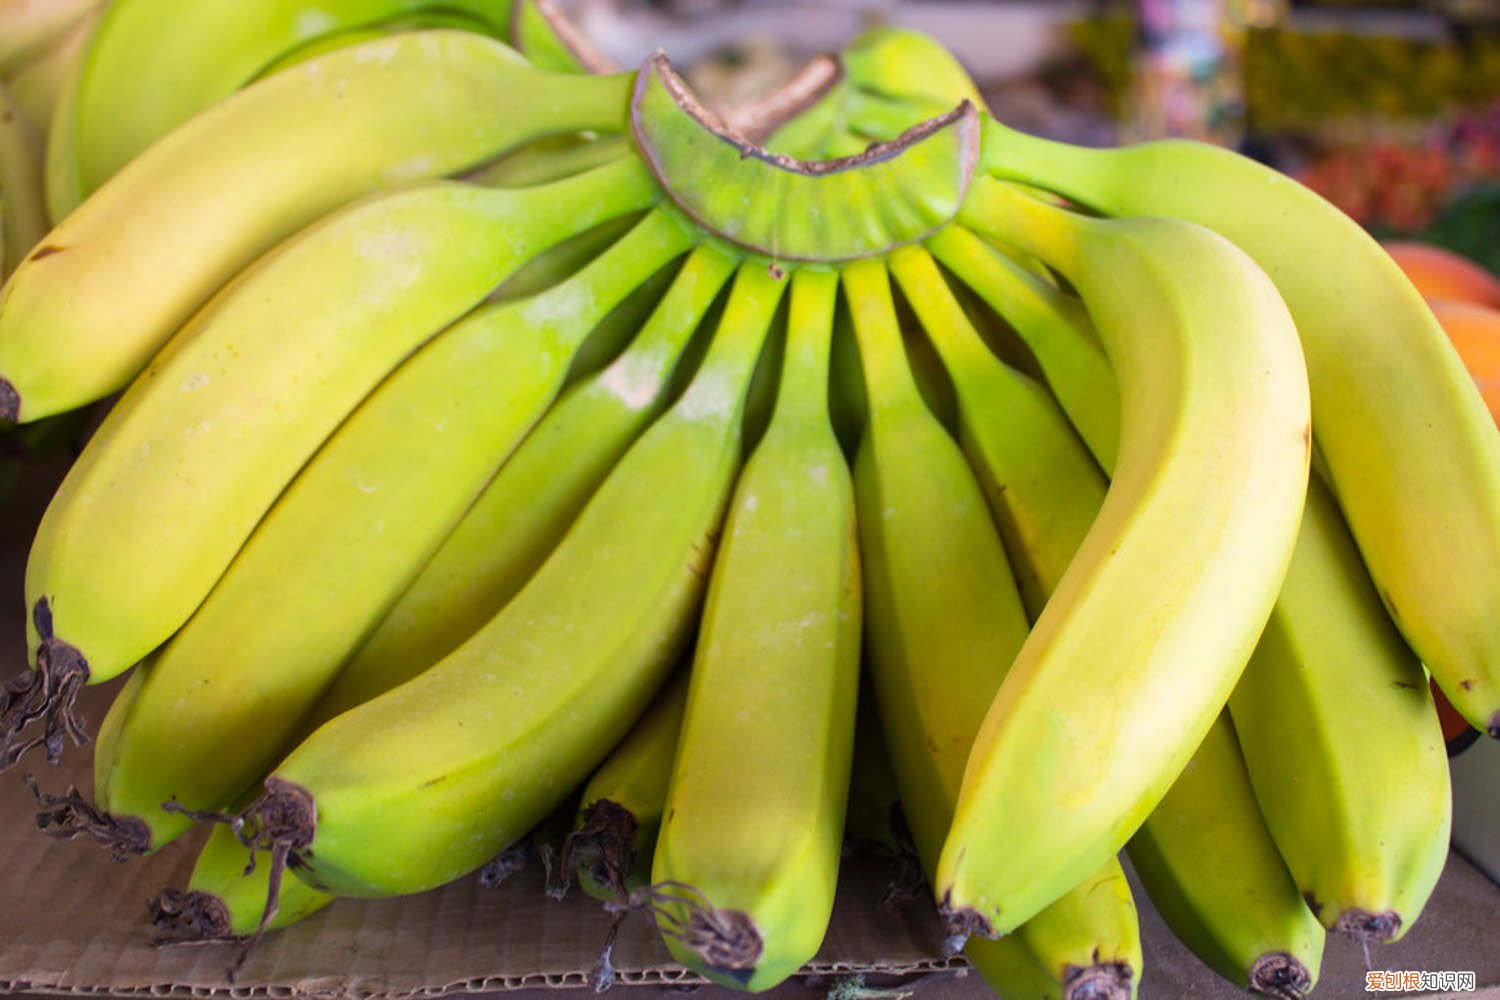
<point x="428" y="781"/>
<point x="1416" y="473"/>
<point x="22" y="202"/>
<point x="1206" y="495"/>
<point x="747" y="856"/>
<point x="223" y="696"/>
<point x="1366" y="869"/>
<point x="417" y="20"/>
<point x="946" y="618"/>
<point x="179" y="473"/>
<point x="620" y="812"/>
<point x="155" y="64"/>
<point x="1212" y="871"/>
<point x="197" y="207"/>
<point x="519" y="518"/>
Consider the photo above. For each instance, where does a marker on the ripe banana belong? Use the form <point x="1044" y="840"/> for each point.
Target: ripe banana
<point x="428" y="781"/>
<point x="1176" y="577"/>
<point x="748" y="852"/>
<point x="120" y="274"/>
<point x="1212" y="871"/>
<point x="945" y="619"/>
<point x="22" y="202"/>
<point x="196" y="451"/>
<point x="1416" y="473"/>
<point x="614" y="835"/>
<point x="1365" y="868"/>
<point x="519" y="518"/>
<point x="225" y="694"/>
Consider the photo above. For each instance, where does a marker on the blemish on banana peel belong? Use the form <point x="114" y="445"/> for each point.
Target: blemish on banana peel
<point x="1279" y="974"/>
<point x="1099" y="981"/>
<point x="632" y="380"/>
<point x="46" y="251"/>
<point x="313" y="23"/>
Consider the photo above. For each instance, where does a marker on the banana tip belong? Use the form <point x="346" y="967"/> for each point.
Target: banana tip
<point x="1370" y="928"/>
<point x="959" y="923"/>
<point x="70" y="815"/>
<point x="10" y="401"/>
<point x="1281" y="975"/>
<point x="1100" y="981"/>
<point x="1493" y="729"/>
<point x="45" y="696"/>
<point x="180" y="917"/>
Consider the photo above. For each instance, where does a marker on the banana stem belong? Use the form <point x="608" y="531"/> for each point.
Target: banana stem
<point x="47" y="694"/>
<point x="889" y="383"/>
<point x="70" y="815"/>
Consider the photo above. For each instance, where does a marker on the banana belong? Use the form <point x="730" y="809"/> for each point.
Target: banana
<point x="946" y="618"/>
<point x="519" y="518"/>
<point x="1416" y="473"/>
<point x="1176" y="576"/>
<point x="116" y="277"/>
<point x="224" y="696"/>
<point x="620" y="812"/>
<point x="428" y="781"/>
<point x="1211" y="869"/>
<point x="747" y="856"/>
<point x="29" y="27"/>
<point x="1365" y="868"/>
<point x="22" y="202"/>
<point x="417" y="20"/>
<point x="196" y="451"/>
<point x="39" y="83"/>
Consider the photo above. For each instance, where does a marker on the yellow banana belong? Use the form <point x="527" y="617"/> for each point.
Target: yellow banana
<point x="1212" y="871"/>
<point x="224" y="696"/>
<point x="430" y="780"/>
<point x="519" y="518"/>
<point x="748" y="852"/>
<point x="1416" y="472"/>
<point x="1175" y="578"/>
<point x="191" y="457"/>
<point x="120" y="274"/>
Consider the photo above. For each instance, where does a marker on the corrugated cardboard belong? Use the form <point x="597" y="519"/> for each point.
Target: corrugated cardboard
<point x="72" y="922"/>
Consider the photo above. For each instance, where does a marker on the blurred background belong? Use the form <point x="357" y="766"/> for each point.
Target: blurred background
<point x="1390" y="108"/>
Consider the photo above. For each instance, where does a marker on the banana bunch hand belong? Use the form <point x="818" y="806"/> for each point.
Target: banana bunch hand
<point x="467" y="395"/>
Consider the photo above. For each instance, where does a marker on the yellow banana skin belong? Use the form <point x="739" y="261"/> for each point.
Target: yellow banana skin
<point x="22" y="202"/>
<point x="748" y="852"/>
<point x="614" y="834"/>
<point x="1201" y="516"/>
<point x="1416" y="472"/>
<point x="941" y="641"/>
<point x="1365" y="867"/>
<point x="430" y="780"/>
<point x="191" y="457"/>
<point x="519" y="518"/>
<point x="1212" y="871"/>
<point x="119" y="275"/>
<point x="226" y="694"/>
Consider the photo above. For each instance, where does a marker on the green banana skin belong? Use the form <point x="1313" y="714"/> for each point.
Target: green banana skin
<point x="430" y="780"/>
<point x="1365" y="868"/>
<point x="196" y="208"/>
<point x="534" y="498"/>
<point x="456" y="20"/>
<point x="129" y="545"/>
<point x="747" y="856"/>
<point x="1189" y="453"/>
<point x="1212" y="871"/>
<point x="620" y="812"/>
<point x="155" y="64"/>
<point x="224" y="696"/>
<point x="940" y="651"/>
<point x="1416" y="473"/>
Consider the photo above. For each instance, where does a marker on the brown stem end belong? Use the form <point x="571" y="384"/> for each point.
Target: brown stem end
<point x="1371" y="928"/>
<point x="46" y="695"/>
<point x="959" y="923"/>
<point x="601" y="846"/>
<point x="1281" y="975"/>
<point x="188" y="918"/>
<point x="70" y="815"/>
<point x="1099" y="981"/>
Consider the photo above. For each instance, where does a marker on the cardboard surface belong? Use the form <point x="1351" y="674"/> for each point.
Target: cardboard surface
<point x="73" y="923"/>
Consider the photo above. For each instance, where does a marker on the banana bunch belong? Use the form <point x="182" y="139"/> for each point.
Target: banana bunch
<point x="493" y="430"/>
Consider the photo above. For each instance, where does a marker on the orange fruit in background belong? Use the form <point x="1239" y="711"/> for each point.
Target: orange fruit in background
<point x="1475" y="332"/>
<point x="1442" y="274"/>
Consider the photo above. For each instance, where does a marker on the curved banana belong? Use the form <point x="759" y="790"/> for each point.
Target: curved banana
<point x="224" y="696"/>
<point x="946" y="616"/>
<point x="430" y="780"/>
<point x="1416" y="473"/>
<point x="1326" y="777"/>
<point x="197" y="450"/>
<point x="1212" y="871"/>
<point x="519" y="518"/>
<point x="748" y="852"/>
<point x="116" y="277"/>
<point x="22" y="201"/>
<point x="1204" y="505"/>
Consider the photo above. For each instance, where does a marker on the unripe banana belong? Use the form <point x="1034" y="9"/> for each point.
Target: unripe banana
<point x="1416" y="472"/>
<point x="519" y="518"/>
<point x="430" y="780"/>
<point x="118" y="276"/>
<point x="1212" y="872"/>
<point x="194" y="454"/>
<point x="1174" y="580"/>
<point x="225" y="694"/>
<point x="38" y="85"/>
<point x="748" y="853"/>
